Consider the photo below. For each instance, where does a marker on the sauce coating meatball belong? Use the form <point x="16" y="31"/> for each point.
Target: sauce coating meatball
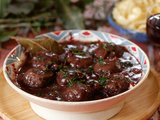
<point x="85" y="71"/>
<point x="117" y="84"/>
<point x="79" y="59"/>
<point x="36" y="78"/>
<point x="107" y="66"/>
<point x="65" y="77"/>
<point x="44" y="58"/>
<point x="79" y="92"/>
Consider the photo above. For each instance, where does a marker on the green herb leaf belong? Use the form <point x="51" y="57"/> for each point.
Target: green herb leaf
<point x="37" y="58"/>
<point x="70" y="84"/>
<point x="39" y="94"/>
<point x="43" y="59"/>
<point x="65" y="74"/>
<point x="103" y="80"/>
<point x="90" y="70"/>
<point x="116" y="78"/>
<point x="101" y="62"/>
<point x="126" y="64"/>
<point x="53" y="87"/>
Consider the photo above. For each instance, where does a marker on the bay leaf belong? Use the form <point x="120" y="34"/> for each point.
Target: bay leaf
<point x="34" y="45"/>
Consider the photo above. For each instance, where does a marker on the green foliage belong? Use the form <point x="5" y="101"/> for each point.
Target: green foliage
<point x="24" y="8"/>
<point x="35" y="14"/>
<point x="71" y="16"/>
<point x="3" y="10"/>
<point x="4" y="36"/>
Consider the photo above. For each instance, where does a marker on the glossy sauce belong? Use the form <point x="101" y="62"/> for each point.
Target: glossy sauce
<point x="86" y="71"/>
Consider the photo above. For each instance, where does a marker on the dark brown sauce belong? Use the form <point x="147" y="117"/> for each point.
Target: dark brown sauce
<point x="86" y="71"/>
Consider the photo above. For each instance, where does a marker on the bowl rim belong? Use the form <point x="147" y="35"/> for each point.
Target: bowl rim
<point x="78" y="102"/>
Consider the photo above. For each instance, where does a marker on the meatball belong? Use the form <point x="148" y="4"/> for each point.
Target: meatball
<point x="44" y="58"/>
<point x="36" y="78"/>
<point x="100" y="52"/>
<point x="119" y="51"/>
<point x="66" y="76"/>
<point x="118" y="83"/>
<point x="104" y="50"/>
<point x="107" y="66"/>
<point x="78" y="92"/>
<point x="79" y="59"/>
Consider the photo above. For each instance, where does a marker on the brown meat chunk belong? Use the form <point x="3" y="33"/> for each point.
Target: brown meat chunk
<point x="44" y="58"/>
<point x="117" y="84"/>
<point x="119" y="51"/>
<point x="100" y="52"/>
<point x="107" y="66"/>
<point x="79" y="60"/>
<point x="36" y="78"/>
<point x="64" y="77"/>
<point x="104" y="49"/>
<point x="79" y="92"/>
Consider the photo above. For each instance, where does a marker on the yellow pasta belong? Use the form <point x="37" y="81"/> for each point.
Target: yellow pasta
<point x="132" y="14"/>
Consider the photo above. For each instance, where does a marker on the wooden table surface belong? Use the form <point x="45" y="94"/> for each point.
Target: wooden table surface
<point x="153" y="54"/>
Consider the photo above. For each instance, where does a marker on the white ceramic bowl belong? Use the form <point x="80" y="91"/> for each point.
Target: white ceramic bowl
<point x="88" y="110"/>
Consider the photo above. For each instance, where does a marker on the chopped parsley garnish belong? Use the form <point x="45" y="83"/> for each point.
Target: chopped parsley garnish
<point x="77" y="73"/>
<point x="53" y="87"/>
<point x="81" y="53"/>
<point x="65" y="74"/>
<point x="103" y="80"/>
<point x="39" y="94"/>
<point x="93" y="54"/>
<point x="89" y="43"/>
<point x="70" y="84"/>
<point x="101" y="44"/>
<point x="82" y="70"/>
<point x="101" y="71"/>
<point x="116" y="78"/>
<point x="62" y="71"/>
<point x="51" y="63"/>
<point x="126" y="64"/>
<point x="65" y="60"/>
<point x="73" y="80"/>
<point x="37" y="58"/>
<point x="43" y="59"/>
<point x="105" y="48"/>
<point x="73" y="53"/>
<point x="65" y="67"/>
<point x="90" y="70"/>
<point x="101" y="62"/>
<point x="78" y="51"/>
<point x="113" y="48"/>
<point x="55" y="94"/>
<point x="59" y="66"/>
<point x="47" y="69"/>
